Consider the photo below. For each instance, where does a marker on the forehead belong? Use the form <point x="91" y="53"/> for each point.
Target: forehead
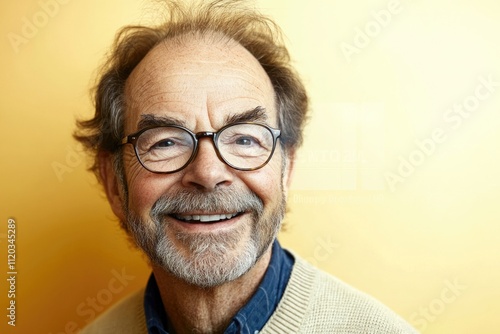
<point x="200" y="81"/>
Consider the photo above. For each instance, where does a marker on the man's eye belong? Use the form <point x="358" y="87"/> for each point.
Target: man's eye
<point x="245" y="141"/>
<point x="163" y="144"/>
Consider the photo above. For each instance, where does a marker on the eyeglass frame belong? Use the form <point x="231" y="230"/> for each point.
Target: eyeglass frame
<point x="134" y="137"/>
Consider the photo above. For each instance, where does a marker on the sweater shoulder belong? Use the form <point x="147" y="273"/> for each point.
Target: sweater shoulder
<point x="321" y="303"/>
<point x="127" y="316"/>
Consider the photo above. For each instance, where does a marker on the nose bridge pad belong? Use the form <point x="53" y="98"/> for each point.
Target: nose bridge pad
<point x="205" y="134"/>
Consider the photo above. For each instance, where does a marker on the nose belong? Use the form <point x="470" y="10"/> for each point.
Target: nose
<point x="207" y="171"/>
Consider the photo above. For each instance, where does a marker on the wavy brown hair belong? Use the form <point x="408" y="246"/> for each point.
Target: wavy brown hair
<point x="233" y="19"/>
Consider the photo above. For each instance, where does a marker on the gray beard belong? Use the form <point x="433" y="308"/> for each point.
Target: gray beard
<point x="213" y="259"/>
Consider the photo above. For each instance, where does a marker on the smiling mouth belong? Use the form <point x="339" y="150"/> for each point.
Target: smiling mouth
<point x="214" y="218"/>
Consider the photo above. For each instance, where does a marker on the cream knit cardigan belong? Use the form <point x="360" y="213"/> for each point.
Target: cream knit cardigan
<point x="313" y="302"/>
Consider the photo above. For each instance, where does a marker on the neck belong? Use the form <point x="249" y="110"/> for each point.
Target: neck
<point x="192" y="309"/>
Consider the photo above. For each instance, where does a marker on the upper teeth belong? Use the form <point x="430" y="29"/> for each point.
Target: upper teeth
<point x="207" y="218"/>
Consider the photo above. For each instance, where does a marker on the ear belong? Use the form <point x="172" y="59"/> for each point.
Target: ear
<point x="111" y="184"/>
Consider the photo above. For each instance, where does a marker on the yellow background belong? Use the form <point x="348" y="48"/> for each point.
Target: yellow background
<point x="405" y="244"/>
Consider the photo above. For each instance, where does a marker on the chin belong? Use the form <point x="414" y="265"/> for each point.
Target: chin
<point x="209" y="260"/>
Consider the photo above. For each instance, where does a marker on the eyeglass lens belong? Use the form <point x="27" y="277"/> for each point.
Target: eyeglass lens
<point x="166" y="149"/>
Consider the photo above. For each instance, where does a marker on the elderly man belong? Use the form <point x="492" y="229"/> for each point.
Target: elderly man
<point x="195" y="129"/>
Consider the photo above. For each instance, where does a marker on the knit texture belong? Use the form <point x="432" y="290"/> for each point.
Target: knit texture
<point x="127" y="316"/>
<point x="313" y="302"/>
<point x="316" y="302"/>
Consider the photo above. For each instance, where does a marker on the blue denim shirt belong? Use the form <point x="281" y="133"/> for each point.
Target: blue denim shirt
<point x="251" y="318"/>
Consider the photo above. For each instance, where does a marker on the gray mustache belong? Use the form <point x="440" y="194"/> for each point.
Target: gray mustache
<point x="227" y="200"/>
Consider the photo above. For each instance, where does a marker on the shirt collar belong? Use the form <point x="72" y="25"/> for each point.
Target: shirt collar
<point x="251" y="318"/>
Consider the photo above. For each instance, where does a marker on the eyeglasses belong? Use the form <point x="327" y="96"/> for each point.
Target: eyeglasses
<point x="168" y="149"/>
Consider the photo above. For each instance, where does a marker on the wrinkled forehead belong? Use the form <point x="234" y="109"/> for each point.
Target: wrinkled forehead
<point x="198" y="74"/>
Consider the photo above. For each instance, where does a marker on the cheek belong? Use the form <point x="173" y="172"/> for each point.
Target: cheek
<point x="144" y="187"/>
<point x="266" y="183"/>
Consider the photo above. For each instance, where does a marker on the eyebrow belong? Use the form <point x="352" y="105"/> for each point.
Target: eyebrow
<point x="149" y="121"/>
<point x="257" y="114"/>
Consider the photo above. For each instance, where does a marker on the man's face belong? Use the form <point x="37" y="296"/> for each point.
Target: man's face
<point x="202" y="84"/>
